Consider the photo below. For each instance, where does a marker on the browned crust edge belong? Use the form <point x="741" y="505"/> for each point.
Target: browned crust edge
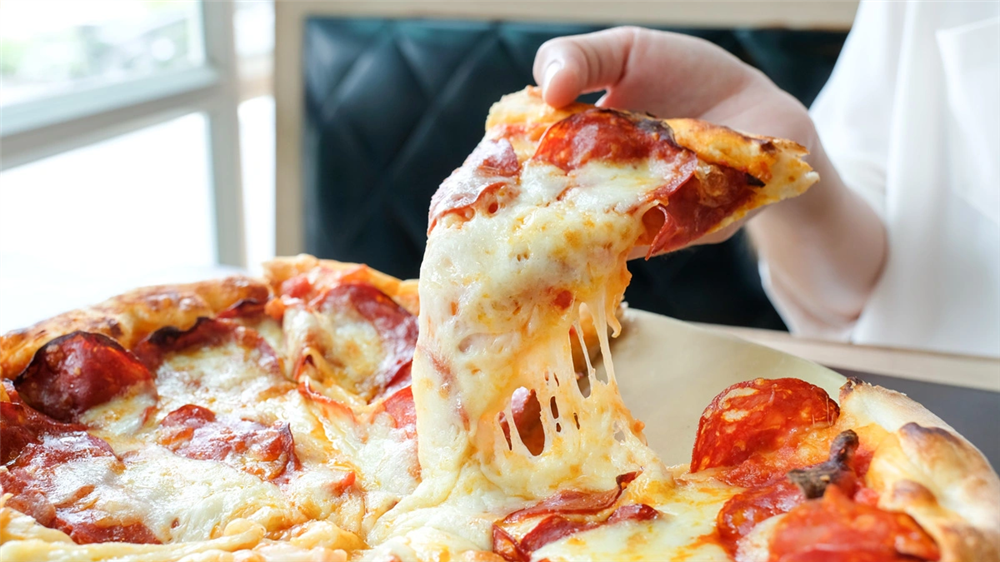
<point x="927" y="470"/>
<point x="130" y="317"/>
<point x="404" y="292"/>
<point x="715" y="144"/>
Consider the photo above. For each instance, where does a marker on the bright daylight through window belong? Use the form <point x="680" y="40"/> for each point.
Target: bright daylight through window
<point x="124" y="112"/>
<point x="54" y="47"/>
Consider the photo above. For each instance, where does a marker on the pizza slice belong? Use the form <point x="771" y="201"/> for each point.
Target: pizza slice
<point x="536" y="226"/>
<point x="690" y="177"/>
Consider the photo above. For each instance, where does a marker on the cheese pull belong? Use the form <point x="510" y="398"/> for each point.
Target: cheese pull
<point x="532" y="233"/>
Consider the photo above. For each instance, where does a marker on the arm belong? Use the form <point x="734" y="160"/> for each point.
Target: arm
<point x="825" y="249"/>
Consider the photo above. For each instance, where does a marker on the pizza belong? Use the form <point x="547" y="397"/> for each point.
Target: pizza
<point x="331" y="412"/>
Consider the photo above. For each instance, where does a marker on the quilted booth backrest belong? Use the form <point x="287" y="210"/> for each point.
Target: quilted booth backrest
<point x="393" y="106"/>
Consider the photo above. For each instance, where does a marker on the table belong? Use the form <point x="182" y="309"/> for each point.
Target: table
<point x="943" y="368"/>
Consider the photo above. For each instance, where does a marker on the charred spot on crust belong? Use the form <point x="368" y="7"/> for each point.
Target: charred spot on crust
<point x="849" y="387"/>
<point x="658" y="127"/>
<point x="751" y="180"/>
<point x="813" y="480"/>
<point x="917" y="431"/>
<point x="766" y="145"/>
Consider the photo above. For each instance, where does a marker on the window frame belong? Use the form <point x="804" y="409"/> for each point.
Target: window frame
<point x="37" y="129"/>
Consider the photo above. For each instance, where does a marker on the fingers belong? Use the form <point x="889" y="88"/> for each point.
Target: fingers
<point x="667" y="74"/>
<point x="569" y="66"/>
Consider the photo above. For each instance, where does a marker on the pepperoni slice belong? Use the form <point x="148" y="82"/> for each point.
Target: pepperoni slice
<point x="564" y="514"/>
<point x="32" y="446"/>
<point x="23" y="426"/>
<point x="397" y="330"/>
<point x="37" y="492"/>
<point x="400" y="407"/>
<point x="206" y="333"/>
<point x="745" y="510"/>
<point x="551" y="529"/>
<point x="507" y="547"/>
<point x="575" y="501"/>
<point x="491" y="169"/>
<point x="694" y="207"/>
<point x="836" y="529"/>
<point x="305" y="287"/>
<point x="527" y="419"/>
<point x="297" y="287"/>
<point x="194" y="432"/>
<point x="332" y="408"/>
<point x="608" y="136"/>
<point x="693" y="199"/>
<point x="73" y="373"/>
<point x="633" y="512"/>
<point x="555" y="527"/>
<point x="756" y="417"/>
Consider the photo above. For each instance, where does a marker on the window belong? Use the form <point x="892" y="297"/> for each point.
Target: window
<point x="55" y="47"/>
<point x="121" y="117"/>
<point x="83" y="225"/>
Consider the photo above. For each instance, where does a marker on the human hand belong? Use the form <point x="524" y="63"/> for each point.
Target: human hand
<point x="825" y="249"/>
<point x="670" y="75"/>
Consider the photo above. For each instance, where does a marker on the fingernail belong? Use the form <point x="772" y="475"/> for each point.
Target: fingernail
<point x="550" y="71"/>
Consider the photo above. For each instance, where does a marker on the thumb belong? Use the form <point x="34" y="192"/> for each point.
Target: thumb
<point x="566" y="67"/>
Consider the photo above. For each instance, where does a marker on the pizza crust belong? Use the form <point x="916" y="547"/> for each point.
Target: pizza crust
<point x="132" y="316"/>
<point x="927" y="470"/>
<point x="404" y="292"/>
<point x="776" y="162"/>
<point x="756" y="155"/>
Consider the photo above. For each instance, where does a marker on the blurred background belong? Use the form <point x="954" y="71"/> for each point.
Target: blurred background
<point x="140" y="141"/>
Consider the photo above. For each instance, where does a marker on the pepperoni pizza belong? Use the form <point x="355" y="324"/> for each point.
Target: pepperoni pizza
<point x="331" y="412"/>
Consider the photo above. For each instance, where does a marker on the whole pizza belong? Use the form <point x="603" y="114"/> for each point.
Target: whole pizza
<point x="330" y="412"/>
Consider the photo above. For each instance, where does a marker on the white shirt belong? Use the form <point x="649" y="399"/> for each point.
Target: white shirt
<point x="911" y="119"/>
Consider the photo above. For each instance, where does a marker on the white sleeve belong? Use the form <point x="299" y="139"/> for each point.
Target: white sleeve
<point x="853" y="116"/>
<point x="853" y="112"/>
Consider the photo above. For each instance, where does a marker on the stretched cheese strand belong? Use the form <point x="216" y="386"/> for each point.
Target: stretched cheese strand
<point x="499" y="294"/>
<point x="538" y="223"/>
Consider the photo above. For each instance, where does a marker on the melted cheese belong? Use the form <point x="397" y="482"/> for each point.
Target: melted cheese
<point x="500" y="291"/>
<point x="199" y="506"/>
<point x="684" y="531"/>
<point x="491" y="322"/>
<point x="227" y="379"/>
<point x="183" y="499"/>
<point x="495" y="318"/>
